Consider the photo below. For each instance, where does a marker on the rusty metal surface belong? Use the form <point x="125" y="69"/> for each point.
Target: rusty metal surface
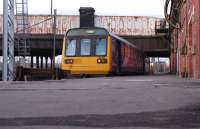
<point x="153" y="46"/>
<point x="122" y="25"/>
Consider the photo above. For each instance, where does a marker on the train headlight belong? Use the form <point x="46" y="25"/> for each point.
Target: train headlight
<point x="69" y="61"/>
<point x="98" y="60"/>
<point x="101" y="61"/>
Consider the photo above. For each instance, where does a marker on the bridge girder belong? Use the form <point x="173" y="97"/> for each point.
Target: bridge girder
<point x="153" y="46"/>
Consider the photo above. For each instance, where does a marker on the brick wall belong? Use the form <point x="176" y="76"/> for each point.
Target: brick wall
<point x="185" y="53"/>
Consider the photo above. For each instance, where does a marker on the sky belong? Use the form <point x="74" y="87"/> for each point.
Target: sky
<point x="102" y="7"/>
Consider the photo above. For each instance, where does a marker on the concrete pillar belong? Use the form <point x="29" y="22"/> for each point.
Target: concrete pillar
<point x="149" y="71"/>
<point x="46" y="62"/>
<point x="37" y="61"/>
<point x="41" y="62"/>
<point x="32" y="62"/>
<point x="51" y="62"/>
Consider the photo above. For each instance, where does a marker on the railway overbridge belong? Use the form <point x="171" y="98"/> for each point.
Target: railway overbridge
<point x="153" y="46"/>
<point x="141" y="31"/>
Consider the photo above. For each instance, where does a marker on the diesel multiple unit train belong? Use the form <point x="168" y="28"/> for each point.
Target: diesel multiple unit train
<point x="95" y="51"/>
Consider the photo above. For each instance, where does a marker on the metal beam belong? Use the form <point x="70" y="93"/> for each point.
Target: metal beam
<point x="8" y="40"/>
<point x="54" y="38"/>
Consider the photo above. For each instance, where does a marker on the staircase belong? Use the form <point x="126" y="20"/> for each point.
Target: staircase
<point x="22" y="44"/>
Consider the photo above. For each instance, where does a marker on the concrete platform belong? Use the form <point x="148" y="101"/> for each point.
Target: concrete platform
<point x="139" y="102"/>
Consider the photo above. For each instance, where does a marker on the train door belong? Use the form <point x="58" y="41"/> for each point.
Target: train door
<point x="116" y="56"/>
<point x="119" y="57"/>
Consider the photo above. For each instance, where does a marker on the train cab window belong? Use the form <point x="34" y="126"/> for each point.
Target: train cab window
<point x="71" y="48"/>
<point x="85" y="47"/>
<point x="100" y="47"/>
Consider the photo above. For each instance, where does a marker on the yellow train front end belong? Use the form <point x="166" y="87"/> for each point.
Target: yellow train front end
<point x="86" y="51"/>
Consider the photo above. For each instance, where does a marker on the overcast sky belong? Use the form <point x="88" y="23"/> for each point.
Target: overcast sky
<point x="102" y="7"/>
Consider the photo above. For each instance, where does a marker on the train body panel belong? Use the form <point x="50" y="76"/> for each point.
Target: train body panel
<point x="126" y="57"/>
<point x="87" y="65"/>
<point x="101" y="53"/>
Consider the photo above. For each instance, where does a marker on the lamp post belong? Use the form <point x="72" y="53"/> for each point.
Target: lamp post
<point x="54" y="45"/>
<point x="54" y="38"/>
<point x="51" y="7"/>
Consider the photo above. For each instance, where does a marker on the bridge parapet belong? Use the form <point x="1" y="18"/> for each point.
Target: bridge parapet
<point x="121" y="25"/>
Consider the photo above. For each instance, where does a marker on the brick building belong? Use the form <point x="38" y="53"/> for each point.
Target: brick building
<point x="185" y="37"/>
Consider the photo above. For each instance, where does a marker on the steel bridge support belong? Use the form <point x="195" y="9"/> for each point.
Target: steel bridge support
<point x="8" y="40"/>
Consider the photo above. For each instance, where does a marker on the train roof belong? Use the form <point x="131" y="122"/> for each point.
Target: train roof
<point x="123" y="40"/>
<point x="96" y="31"/>
<point x="87" y="31"/>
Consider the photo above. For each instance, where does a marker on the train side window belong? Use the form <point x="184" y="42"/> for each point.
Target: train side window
<point x="71" y="48"/>
<point x="85" y="47"/>
<point x="100" y="47"/>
